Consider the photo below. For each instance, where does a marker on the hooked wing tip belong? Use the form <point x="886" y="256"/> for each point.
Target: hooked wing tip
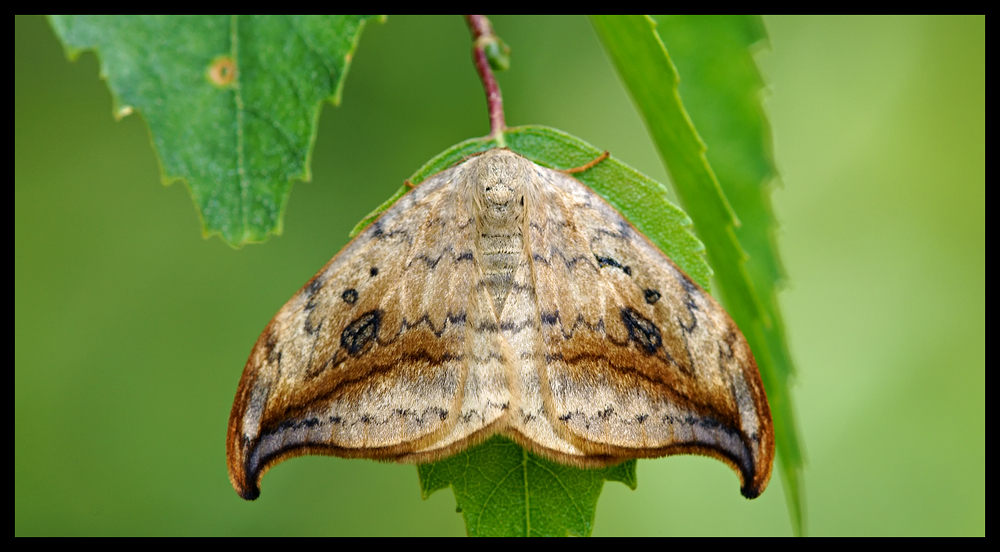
<point x="244" y="474"/>
<point x="751" y="457"/>
<point x="755" y="480"/>
<point x="748" y="491"/>
<point x="244" y="478"/>
<point x="251" y="492"/>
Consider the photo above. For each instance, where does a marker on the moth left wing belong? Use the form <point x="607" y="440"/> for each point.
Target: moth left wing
<point x="368" y="358"/>
<point x="638" y="360"/>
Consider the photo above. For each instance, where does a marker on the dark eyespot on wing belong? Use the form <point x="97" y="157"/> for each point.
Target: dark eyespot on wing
<point x="358" y="336"/>
<point x="652" y="296"/>
<point x="350" y="296"/>
<point x="642" y="330"/>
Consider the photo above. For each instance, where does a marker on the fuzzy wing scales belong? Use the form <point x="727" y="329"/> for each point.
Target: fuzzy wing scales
<point x="639" y="361"/>
<point x="367" y="359"/>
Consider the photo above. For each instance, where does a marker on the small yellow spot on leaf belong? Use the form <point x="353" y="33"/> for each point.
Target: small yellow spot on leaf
<point x="222" y="71"/>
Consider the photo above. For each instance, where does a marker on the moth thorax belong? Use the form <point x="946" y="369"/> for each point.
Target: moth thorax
<point x="500" y="182"/>
<point x="500" y="188"/>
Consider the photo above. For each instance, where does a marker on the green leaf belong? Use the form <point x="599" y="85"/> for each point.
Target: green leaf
<point x="723" y="88"/>
<point x="650" y="77"/>
<point x="503" y="490"/>
<point x="232" y="102"/>
<point x="500" y="488"/>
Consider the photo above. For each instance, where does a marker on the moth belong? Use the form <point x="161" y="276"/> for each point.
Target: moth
<point x="501" y="297"/>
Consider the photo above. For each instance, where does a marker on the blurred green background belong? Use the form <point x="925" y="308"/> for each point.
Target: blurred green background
<point x="131" y="331"/>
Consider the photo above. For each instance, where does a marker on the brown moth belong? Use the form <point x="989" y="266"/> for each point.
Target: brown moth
<point x="501" y="297"/>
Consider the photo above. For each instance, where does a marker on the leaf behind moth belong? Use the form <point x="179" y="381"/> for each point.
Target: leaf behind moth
<point x="503" y="490"/>
<point x="721" y="88"/>
<point x="641" y="199"/>
<point x="723" y="91"/>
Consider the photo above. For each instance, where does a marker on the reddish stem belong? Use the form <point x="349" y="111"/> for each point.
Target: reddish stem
<point x="482" y="33"/>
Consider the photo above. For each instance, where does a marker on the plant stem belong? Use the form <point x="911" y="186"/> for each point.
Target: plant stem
<point x="482" y="36"/>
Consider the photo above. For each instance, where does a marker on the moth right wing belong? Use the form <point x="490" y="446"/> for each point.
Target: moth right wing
<point x="639" y="361"/>
<point x="367" y="359"/>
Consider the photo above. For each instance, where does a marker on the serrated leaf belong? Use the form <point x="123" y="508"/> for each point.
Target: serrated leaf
<point x="650" y="77"/>
<point x="721" y="88"/>
<point x="232" y="102"/>
<point x="500" y="488"/>
<point x="649" y="74"/>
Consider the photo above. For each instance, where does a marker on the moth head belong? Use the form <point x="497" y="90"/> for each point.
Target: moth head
<point x="500" y="179"/>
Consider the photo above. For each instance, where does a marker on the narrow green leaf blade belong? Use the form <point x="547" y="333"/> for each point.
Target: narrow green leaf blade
<point x="721" y="88"/>
<point x="650" y="77"/>
<point x="648" y="72"/>
<point x="232" y="102"/>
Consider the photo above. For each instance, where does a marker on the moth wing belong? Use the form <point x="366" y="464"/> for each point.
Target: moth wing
<point x="639" y="361"/>
<point x="366" y="360"/>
